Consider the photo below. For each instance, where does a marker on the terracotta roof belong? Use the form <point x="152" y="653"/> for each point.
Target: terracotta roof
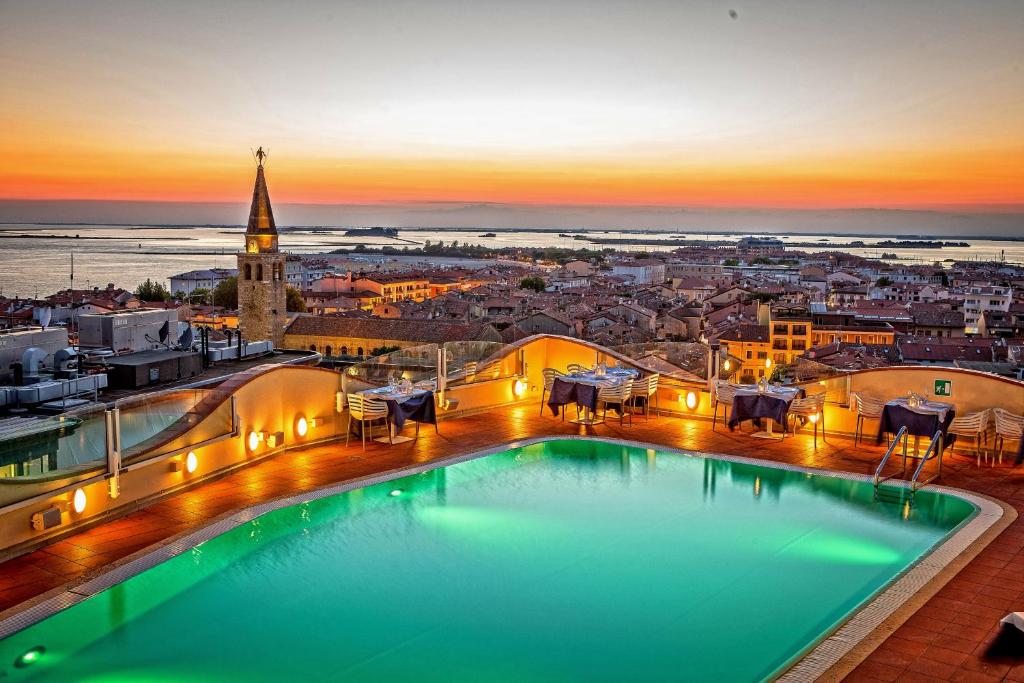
<point x="745" y="333"/>
<point x="426" y="331"/>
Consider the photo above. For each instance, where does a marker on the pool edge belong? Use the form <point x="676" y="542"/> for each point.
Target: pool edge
<point x="831" y="658"/>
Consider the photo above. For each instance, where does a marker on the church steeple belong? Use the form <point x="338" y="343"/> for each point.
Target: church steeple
<point x="261" y="233"/>
<point x="262" y="301"/>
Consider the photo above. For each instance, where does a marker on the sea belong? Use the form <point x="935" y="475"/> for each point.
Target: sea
<point x="36" y="259"/>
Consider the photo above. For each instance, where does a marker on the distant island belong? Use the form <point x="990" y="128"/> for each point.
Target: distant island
<point x="372" y="232"/>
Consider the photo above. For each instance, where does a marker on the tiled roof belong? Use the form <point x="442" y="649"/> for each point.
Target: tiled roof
<point x="426" y="331"/>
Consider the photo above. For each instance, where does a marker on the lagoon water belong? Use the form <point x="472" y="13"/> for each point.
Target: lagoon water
<point x="40" y="264"/>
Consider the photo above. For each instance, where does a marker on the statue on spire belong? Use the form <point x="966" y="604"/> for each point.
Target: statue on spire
<point x="260" y="155"/>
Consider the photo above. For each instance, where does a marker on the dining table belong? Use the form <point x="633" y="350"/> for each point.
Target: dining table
<point x="412" y="403"/>
<point x="921" y="418"/>
<point x="582" y="389"/>
<point x="756" y="403"/>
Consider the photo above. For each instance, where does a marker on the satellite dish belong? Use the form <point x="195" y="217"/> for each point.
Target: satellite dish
<point x="165" y="330"/>
<point x="45" y="316"/>
<point x="187" y="338"/>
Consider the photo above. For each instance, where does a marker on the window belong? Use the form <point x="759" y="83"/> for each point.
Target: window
<point x="312" y="347"/>
<point x="327" y="350"/>
<point x="761" y="355"/>
<point x="259" y="272"/>
<point x="344" y="350"/>
<point x="750" y="354"/>
<point x="800" y="330"/>
<point x="781" y="329"/>
<point x="359" y="351"/>
<point x="248" y="271"/>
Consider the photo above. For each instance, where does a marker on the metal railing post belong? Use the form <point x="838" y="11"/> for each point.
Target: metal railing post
<point x="112" y="422"/>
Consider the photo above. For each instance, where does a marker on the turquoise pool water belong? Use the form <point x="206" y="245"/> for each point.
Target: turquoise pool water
<point x="566" y="560"/>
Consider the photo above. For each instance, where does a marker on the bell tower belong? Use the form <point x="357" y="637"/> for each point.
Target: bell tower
<point x="262" y="303"/>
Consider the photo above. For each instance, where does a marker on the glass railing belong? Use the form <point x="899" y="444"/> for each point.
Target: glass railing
<point x="417" y="364"/>
<point x="470" y="362"/>
<point x="164" y="422"/>
<point x="51" y="447"/>
<point x="684" y="361"/>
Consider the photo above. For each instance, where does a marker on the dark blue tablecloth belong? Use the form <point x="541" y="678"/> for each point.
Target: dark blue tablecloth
<point x="1020" y="453"/>
<point x="755" y="406"/>
<point x="419" y="408"/>
<point x="917" y="424"/>
<point x="564" y="392"/>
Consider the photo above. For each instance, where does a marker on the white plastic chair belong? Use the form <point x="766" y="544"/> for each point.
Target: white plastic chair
<point x="812" y="409"/>
<point x="647" y="389"/>
<point x="974" y="425"/>
<point x="366" y="411"/>
<point x="575" y="367"/>
<point x="549" y="383"/>
<point x="616" y="394"/>
<point x="725" y="392"/>
<point x="1008" y="426"/>
<point x="867" y="408"/>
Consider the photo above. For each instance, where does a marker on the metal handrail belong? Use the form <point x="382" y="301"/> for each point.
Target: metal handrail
<point x="901" y="435"/>
<point x="937" y="438"/>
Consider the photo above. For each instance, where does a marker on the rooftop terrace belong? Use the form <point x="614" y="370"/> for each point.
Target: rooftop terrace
<point x="949" y="631"/>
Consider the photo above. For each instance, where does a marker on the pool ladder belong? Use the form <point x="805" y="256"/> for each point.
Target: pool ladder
<point x="933" y="452"/>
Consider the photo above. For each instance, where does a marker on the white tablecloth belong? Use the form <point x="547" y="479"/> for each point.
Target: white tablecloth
<point x="925" y="408"/>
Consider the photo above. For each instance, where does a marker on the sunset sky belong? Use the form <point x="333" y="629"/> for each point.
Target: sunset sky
<point x="789" y="105"/>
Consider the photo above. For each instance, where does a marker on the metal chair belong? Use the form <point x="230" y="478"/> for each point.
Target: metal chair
<point x="867" y="408"/>
<point x="616" y="394"/>
<point x="724" y="394"/>
<point x="1008" y="426"/>
<point x="647" y="389"/>
<point x="974" y="425"/>
<point x="366" y="411"/>
<point x="572" y="368"/>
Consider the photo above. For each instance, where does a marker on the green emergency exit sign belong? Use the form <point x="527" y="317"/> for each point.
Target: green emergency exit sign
<point x="943" y="387"/>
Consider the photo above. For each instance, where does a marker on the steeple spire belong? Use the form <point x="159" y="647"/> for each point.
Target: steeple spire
<point x="261" y="233"/>
<point x="261" y="215"/>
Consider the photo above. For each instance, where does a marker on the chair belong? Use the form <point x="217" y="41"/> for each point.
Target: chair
<point x="366" y="411"/>
<point x="973" y="425"/>
<point x="811" y="408"/>
<point x="725" y="392"/>
<point x="549" y="382"/>
<point x="647" y="389"/>
<point x="575" y="367"/>
<point x="617" y="394"/>
<point x="867" y="408"/>
<point x="1008" y="426"/>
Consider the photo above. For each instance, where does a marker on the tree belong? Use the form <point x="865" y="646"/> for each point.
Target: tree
<point x="533" y="282"/>
<point x="295" y="302"/>
<point x="225" y="294"/>
<point x="883" y="282"/>
<point x="200" y="295"/>
<point x="731" y="262"/>
<point x="152" y="291"/>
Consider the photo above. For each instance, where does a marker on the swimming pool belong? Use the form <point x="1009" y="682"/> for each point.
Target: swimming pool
<point x="559" y="560"/>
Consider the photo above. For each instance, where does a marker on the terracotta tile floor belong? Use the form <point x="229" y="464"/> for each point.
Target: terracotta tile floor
<point x="954" y="636"/>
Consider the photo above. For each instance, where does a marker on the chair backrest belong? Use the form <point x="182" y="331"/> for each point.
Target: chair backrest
<point x="972" y="422"/>
<point x="1007" y="423"/>
<point x="652" y="383"/>
<point x="549" y="377"/>
<point x="645" y="386"/>
<point x="575" y="367"/>
<point x="619" y="391"/>
<point x="808" y="404"/>
<point x="868" y="406"/>
<point x="815" y="390"/>
<point x="725" y="391"/>
<point x="363" y="408"/>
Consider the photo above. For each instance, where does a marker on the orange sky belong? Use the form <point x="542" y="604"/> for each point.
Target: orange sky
<point x="794" y="107"/>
